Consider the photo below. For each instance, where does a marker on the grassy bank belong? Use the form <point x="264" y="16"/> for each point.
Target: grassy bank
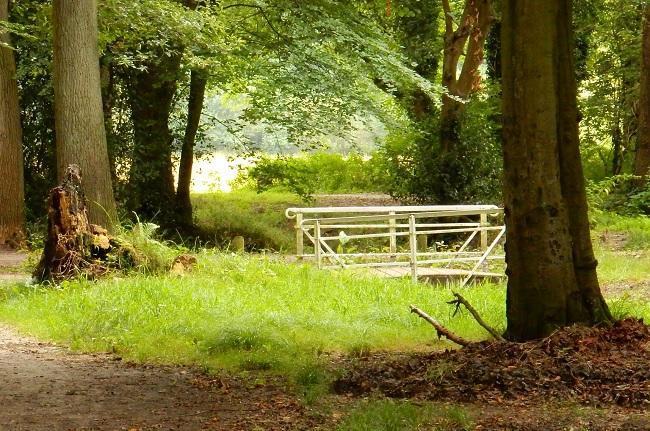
<point x="242" y="313"/>
<point x="258" y="217"/>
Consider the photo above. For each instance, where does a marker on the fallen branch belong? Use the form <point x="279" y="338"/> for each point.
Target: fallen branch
<point x="440" y="330"/>
<point x="460" y="300"/>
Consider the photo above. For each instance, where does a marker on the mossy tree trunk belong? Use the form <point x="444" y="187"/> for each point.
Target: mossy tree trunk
<point x="80" y="132"/>
<point x="551" y="267"/>
<point x="12" y="195"/>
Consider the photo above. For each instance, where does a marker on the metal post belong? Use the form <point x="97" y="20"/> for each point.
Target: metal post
<point x="392" y="230"/>
<point x="317" y="249"/>
<point x="484" y="234"/>
<point x="414" y="249"/>
<point x="300" y="246"/>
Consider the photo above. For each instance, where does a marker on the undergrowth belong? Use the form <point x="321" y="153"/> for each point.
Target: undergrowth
<point x="244" y="313"/>
<point x="258" y="217"/>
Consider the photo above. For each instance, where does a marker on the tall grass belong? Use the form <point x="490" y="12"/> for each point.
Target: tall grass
<point x="258" y="217"/>
<point x="244" y="313"/>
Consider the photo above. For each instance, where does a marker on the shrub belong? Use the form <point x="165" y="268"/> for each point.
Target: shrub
<point x="319" y="172"/>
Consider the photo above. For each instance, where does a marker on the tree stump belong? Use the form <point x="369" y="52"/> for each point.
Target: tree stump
<point x="73" y="245"/>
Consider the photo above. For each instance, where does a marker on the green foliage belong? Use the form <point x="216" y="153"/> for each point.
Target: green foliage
<point x="153" y="256"/>
<point x="611" y="32"/>
<point x="472" y="172"/>
<point x="287" y="315"/>
<point x="318" y="172"/>
<point x="621" y="194"/>
<point x="259" y="218"/>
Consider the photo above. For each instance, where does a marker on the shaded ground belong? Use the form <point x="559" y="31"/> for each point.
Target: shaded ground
<point x="354" y="199"/>
<point x="10" y="266"/>
<point x="46" y="388"/>
<point x="606" y="368"/>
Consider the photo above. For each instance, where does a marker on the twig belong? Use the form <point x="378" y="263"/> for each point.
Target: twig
<point x="440" y="330"/>
<point x="460" y="300"/>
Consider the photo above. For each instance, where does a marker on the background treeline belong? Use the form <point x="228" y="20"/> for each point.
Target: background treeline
<point x="308" y="72"/>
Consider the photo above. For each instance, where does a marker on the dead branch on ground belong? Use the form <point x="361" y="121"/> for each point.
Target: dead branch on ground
<point x="460" y="300"/>
<point x="440" y="330"/>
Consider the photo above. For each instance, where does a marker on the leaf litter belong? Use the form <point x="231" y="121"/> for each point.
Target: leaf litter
<point x="601" y="366"/>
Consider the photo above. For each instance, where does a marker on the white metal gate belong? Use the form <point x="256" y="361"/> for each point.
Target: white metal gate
<point x="473" y="224"/>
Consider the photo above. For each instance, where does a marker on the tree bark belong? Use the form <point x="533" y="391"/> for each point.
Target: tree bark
<point x="469" y="38"/>
<point x="12" y="195"/>
<point x="642" y="158"/>
<point x="551" y="268"/>
<point x="152" y="178"/>
<point x="198" y="83"/>
<point x="80" y="132"/>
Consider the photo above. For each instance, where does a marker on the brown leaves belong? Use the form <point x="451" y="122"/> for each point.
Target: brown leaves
<point x="608" y="365"/>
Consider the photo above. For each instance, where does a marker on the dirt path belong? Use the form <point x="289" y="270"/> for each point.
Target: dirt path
<point x="44" y="387"/>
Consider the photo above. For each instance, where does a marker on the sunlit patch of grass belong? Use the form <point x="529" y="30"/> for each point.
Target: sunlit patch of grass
<point x="244" y="312"/>
<point x="258" y="217"/>
<point x="394" y="415"/>
<point x="637" y="229"/>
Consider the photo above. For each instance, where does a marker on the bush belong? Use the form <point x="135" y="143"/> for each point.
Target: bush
<point x="318" y="172"/>
<point x="419" y="172"/>
<point x="621" y="194"/>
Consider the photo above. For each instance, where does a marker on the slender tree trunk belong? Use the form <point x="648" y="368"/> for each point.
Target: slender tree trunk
<point x="12" y="194"/>
<point x="551" y="268"/>
<point x="198" y="83"/>
<point x="617" y="147"/>
<point x="468" y="38"/>
<point x="80" y="133"/>
<point x="152" y="178"/>
<point x="642" y="158"/>
<point x="108" y="86"/>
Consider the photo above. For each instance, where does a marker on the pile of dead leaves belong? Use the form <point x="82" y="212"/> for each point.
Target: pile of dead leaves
<point x="596" y="366"/>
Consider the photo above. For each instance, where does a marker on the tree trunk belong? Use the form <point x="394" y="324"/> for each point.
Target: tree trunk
<point x="68" y="230"/>
<point x="617" y="147"/>
<point x="152" y="178"/>
<point x="468" y="38"/>
<point x="108" y="85"/>
<point x="12" y="194"/>
<point x="551" y="268"/>
<point x="642" y="158"/>
<point x="198" y="83"/>
<point x="80" y="132"/>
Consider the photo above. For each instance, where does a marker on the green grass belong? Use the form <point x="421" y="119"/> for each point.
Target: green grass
<point x="258" y="217"/>
<point x="636" y="228"/>
<point x="391" y="415"/>
<point x="244" y="313"/>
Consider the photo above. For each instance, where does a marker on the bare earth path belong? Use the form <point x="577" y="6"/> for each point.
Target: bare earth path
<point x="44" y="387"/>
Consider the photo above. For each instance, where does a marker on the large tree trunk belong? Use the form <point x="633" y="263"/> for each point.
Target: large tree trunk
<point x="152" y="178"/>
<point x="551" y="267"/>
<point x="642" y="159"/>
<point x="198" y="83"/>
<point x="80" y="133"/>
<point x="12" y="195"/>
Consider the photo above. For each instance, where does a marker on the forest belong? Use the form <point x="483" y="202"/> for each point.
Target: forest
<point x="324" y="214"/>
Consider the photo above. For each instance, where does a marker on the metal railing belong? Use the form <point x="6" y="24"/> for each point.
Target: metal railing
<point x="416" y="223"/>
